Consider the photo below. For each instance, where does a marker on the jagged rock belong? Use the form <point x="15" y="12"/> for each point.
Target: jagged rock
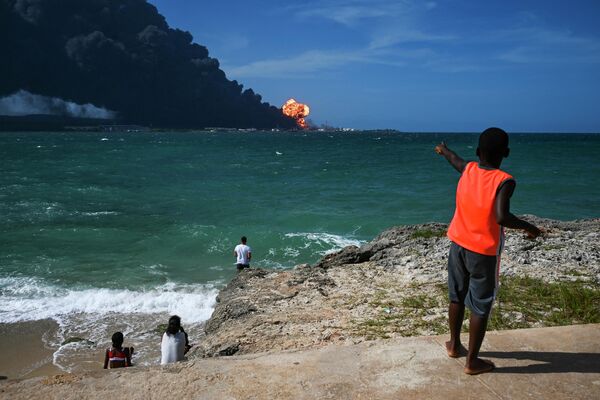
<point x="229" y="349"/>
<point x="233" y="309"/>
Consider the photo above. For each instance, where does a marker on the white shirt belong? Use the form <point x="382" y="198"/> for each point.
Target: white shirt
<point x="172" y="347"/>
<point x="242" y="252"/>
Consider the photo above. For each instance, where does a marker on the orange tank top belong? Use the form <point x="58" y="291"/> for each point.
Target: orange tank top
<point x="474" y="225"/>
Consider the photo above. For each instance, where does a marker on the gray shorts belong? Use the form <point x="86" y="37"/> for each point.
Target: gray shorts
<point x="472" y="279"/>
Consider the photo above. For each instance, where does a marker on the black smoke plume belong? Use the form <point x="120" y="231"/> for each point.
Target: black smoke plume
<point x="121" y="55"/>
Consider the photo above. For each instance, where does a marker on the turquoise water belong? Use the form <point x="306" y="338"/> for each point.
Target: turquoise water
<point x="146" y="222"/>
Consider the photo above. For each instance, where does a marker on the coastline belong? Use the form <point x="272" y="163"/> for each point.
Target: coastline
<point x="395" y="286"/>
<point x="388" y="288"/>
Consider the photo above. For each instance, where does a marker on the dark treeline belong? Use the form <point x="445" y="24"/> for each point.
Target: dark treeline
<point x="122" y="55"/>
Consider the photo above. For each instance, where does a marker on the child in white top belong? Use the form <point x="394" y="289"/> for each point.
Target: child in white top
<point x="174" y="343"/>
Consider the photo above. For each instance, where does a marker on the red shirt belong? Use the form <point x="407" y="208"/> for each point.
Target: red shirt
<point x="474" y="225"/>
<point x="117" y="358"/>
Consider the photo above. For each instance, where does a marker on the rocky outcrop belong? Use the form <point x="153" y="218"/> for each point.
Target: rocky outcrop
<point x="391" y="286"/>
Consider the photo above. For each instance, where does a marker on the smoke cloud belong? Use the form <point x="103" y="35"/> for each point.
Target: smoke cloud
<point x="25" y="103"/>
<point x="119" y="55"/>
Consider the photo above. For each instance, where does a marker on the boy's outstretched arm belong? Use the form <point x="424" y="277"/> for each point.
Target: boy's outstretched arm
<point x="458" y="163"/>
<point x="503" y="215"/>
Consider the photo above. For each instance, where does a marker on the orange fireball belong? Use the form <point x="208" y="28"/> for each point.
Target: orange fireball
<point x="296" y="110"/>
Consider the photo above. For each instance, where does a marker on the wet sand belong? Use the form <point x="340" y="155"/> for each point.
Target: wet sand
<point x="27" y="354"/>
<point x="33" y="348"/>
<point x="24" y="354"/>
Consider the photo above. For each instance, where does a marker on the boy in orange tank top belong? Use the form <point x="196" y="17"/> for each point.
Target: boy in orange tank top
<point x="476" y="231"/>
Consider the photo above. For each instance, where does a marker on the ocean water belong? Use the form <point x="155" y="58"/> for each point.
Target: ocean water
<point x="105" y="231"/>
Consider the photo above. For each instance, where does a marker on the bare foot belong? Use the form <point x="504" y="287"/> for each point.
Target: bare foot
<point x="479" y="366"/>
<point x="455" y="353"/>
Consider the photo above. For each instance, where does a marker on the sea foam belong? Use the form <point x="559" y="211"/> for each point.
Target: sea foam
<point x="29" y="299"/>
<point x="328" y="241"/>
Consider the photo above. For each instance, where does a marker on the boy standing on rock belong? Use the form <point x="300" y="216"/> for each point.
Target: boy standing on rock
<point x="476" y="231"/>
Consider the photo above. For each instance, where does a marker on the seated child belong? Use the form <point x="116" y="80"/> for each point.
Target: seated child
<point x="117" y="356"/>
<point x="174" y="343"/>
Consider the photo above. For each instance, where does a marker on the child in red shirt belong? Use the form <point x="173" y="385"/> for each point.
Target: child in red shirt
<point x="118" y="356"/>
<point x="476" y="231"/>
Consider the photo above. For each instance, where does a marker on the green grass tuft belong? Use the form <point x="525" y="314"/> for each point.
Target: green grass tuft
<point x="428" y="233"/>
<point x="523" y="302"/>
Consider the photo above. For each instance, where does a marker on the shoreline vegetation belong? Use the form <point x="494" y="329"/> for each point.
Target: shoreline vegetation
<point x="393" y="286"/>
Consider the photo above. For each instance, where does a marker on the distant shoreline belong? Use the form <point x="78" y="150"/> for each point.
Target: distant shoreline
<point x="104" y="127"/>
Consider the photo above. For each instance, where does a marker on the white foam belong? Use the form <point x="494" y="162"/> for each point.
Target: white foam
<point x="27" y="299"/>
<point x="271" y="264"/>
<point x="89" y="189"/>
<point x="330" y="241"/>
<point x="219" y="245"/>
<point x="291" y="252"/>
<point x="98" y="213"/>
<point x="155" y="269"/>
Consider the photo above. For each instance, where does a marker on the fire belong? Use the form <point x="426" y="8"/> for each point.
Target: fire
<point x="296" y="110"/>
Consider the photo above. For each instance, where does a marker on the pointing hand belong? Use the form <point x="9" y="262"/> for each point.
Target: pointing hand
<point x="440" y="148"/>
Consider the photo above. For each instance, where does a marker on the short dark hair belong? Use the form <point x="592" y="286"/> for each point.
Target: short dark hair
<point x="244" y="239"/>
<point x="174" y="325"/>
<point x="117" y="339"/>
<point x="493" y="142"/>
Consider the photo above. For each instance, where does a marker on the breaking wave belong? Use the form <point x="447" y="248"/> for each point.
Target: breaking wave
<point x="328" y="242"/>
<point x="30" y="299"/>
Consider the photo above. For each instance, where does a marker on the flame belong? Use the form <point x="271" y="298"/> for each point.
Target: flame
<point x="296" y="110"/>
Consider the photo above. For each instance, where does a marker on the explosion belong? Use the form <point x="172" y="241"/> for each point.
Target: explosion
<point x="297" y="111"/>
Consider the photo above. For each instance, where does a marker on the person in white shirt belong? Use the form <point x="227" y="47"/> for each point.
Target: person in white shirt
<point x="174" y="343"/>
<point x="243" y="254"/>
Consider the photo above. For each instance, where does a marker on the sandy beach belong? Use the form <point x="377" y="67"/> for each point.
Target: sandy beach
<point x="25" y="354"/>
<point x="38" y="348"/>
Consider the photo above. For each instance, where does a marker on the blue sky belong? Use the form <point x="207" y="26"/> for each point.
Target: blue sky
<point x="457" y="65"/>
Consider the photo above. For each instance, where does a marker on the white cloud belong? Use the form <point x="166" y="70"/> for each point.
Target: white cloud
<point x="353" y="12"/>
<point x="401" y="38"/>
<point x="313" y="61"/>
<point x="347" y="15"/>
<point x="308" y="62"/>
<point x="403" y="35"/>
<point x="397" y="25"/>
<point x="541" y="45"/>
<point x="430" y="5"/>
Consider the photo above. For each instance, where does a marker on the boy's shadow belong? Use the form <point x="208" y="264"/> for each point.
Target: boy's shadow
<point x="544" y="362"/>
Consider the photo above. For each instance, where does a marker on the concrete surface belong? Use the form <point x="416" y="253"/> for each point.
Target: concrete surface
<point x="541" y="363"/>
